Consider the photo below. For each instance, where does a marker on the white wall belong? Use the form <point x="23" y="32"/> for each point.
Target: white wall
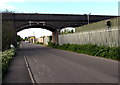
<point x="99" y="37"/>
<point x="46" y="40"/>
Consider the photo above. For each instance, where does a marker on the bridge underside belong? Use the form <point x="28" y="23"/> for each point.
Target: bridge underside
<point x="15" y="22"/>
<point x="55" y="32"/>
<point x="49" y="26"/>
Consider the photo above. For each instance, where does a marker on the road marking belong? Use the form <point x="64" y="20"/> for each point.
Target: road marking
<point x="35" y="60"/>
<point x="30" y="72"/>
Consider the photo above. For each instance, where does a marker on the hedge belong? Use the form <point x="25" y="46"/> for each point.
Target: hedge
<point x="94" y="50"/>
<point x="6" y="58"/>
<point x="38" y="43"/>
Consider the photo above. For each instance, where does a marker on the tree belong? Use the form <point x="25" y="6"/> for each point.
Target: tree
<point x="66" y="31"/>
<point x="72" y="31"/>
<point x="50" y="38"/>
<point x="26" y="38"/>
<point x="19" y="38"/>
<point x="7" y="11"/>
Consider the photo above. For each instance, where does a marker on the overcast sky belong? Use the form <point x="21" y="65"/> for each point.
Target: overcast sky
<point x="95" y="7"/>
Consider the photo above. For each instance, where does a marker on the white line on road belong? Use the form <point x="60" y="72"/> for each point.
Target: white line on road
<point x="35" y="60"/>
<point x="30" y="73"/>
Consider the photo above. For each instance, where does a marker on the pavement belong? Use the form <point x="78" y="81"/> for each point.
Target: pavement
<point x="50" y="65"/>
<point x="17" y="71"/>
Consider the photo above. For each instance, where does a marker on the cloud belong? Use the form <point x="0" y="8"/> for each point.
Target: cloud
<point x="7" y="1"/>
<point x="4" y="4"/>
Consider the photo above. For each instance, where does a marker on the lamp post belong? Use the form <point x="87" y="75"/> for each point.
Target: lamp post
<point x="88" y="17"/>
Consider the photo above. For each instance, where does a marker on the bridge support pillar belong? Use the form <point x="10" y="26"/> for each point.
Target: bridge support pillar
<point x="8" y="31"/>
<point x="14" y="42"/>
<point x="55" y="36"/>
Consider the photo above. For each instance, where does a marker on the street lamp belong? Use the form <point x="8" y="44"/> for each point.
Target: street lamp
<point x="88" y="17"/>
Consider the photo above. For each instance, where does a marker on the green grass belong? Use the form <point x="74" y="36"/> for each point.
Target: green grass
<point x="94" y="50"/>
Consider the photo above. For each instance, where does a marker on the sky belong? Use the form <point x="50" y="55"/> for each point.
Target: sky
<point x="95" y="7"/>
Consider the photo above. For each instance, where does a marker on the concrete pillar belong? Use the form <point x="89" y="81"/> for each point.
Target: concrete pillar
<point x="8" y="31"/>
<point x="14" y="42"/>
<point x="55" y="36"/>
<point x="119" y="31"/>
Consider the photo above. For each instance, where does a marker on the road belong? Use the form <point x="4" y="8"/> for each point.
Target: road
<point x="50" y="65"/>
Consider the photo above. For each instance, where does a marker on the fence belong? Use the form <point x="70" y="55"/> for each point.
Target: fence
<point x="109" y="37"/>
<point x="96" y="33"/>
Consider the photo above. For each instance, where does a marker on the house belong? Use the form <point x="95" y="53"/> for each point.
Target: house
<point x="32" y="39"/>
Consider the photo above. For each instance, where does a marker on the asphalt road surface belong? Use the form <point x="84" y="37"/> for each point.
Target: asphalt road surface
<point x="50" y="65"/>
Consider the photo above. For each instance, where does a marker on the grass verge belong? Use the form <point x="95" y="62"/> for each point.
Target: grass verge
<point x="94" y="50"/>
<point x="38" y="43"/>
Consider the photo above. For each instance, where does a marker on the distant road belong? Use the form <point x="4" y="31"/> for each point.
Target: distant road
<point x="50" y="65"/>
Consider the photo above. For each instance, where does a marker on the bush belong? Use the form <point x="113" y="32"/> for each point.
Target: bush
<point x="94" y="50"/>
<point x="39" y="43"/>
<point x="6" y="58"/>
